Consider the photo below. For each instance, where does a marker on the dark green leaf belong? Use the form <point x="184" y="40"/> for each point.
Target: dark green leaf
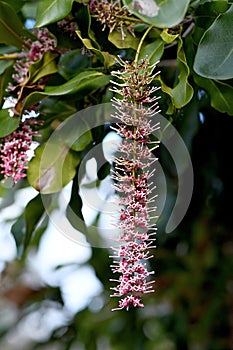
<point x="214" y="58"/>
<point x="38" y="232"/>
<point x="52" y="107"/>
<point x="82" y="136"/>
<point x="4" y="65"/>
<point x="53" y="167"/>
<point x="16" y="4"/>
<point x="43" y="67"/>
<point x="4" y="81"/>
<point x="18" y="232"/>
<point x="50" y="11"/>
<point x="7" y="124"/>
<point x="220" y="94"/>
<point x="83" y="83"/>
<point x="11" y="28"/>
<point x="71" y="63"/>
<point x="33" y="214"/>
<point x="206" y="13"/>
<point x="74" y="209"/>
<point x="169" y="15"/>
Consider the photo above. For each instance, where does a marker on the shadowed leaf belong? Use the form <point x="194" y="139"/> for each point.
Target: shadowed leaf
<point x="214" y="58"/>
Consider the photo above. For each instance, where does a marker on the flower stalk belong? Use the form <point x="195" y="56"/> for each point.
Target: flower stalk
<point x="132" y="176"/>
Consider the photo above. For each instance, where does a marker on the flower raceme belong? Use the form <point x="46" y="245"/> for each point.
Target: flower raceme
<point x="132" y="174"/>
<point x="31" y="52"/>
<point x="13" y="152"/>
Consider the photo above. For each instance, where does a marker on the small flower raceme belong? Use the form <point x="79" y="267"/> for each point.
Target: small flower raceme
<point x="13" y="151"/>
<point x="132" y="181"/>
<point x="111" y="15"/>
<point x="31" y="52"/>
<point x="14" y="147"/>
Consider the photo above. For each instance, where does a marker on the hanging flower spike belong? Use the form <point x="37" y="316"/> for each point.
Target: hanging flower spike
<point x="13" y="151"/>
<point x="132" y="183"/>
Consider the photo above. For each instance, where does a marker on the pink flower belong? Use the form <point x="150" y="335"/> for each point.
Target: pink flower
<point x="132" y="175"/>
<point x="93" y="4"/>
<point x="130" y="300"/>
<point x="13" y="151"/>
<point x="31" y="52"/>
<point x="69" y="26"/>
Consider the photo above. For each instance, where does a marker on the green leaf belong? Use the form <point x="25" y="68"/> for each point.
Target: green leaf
<point x="169" y="15"/>
<point x="25" y="230"/>
<point x="7" y="124"/>
<point x="50" y="11"/>
<point x="214" y="58"/>
<point x="11" y="28"/>
<point x="82" y="136"/>
<point x="71" y="63"/>
<point x="104" y="56"/>
<point x="52" y="107"/>
<point x="83" y="83"/>
<point x="15" y="4"/>
<point x="45" y="66"/>
<point x="168" y="38"/>
<point x="33" y="214"/>
<point x="167" y="91"/>
<point x="53" y="167"/>
<point x="4" y="81"/>
<point x="153" y="51"/>
<point x="74" y="208"/>
<point x="4" y="65"/>
<point x="220" y="94"/>
<point x="128" y="42"/>
<point x="87" y="80"/>
<point x="183" y="91"/>
<point x="206" y="13"/>
<point x="39" y="231"/>
<point x="18" y="232"/>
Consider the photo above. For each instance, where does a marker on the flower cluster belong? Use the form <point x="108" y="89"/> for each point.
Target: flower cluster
<point x="31" y="52"/>
<point x="13" y="151"/>
<point x="132" y="181"/>
<point x="111" y="15"/>
<point x="68" y="26"/>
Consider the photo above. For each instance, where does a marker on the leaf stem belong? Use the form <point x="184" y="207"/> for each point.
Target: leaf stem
<point x="10" y="57"/>
<point x="141" y="42"/>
